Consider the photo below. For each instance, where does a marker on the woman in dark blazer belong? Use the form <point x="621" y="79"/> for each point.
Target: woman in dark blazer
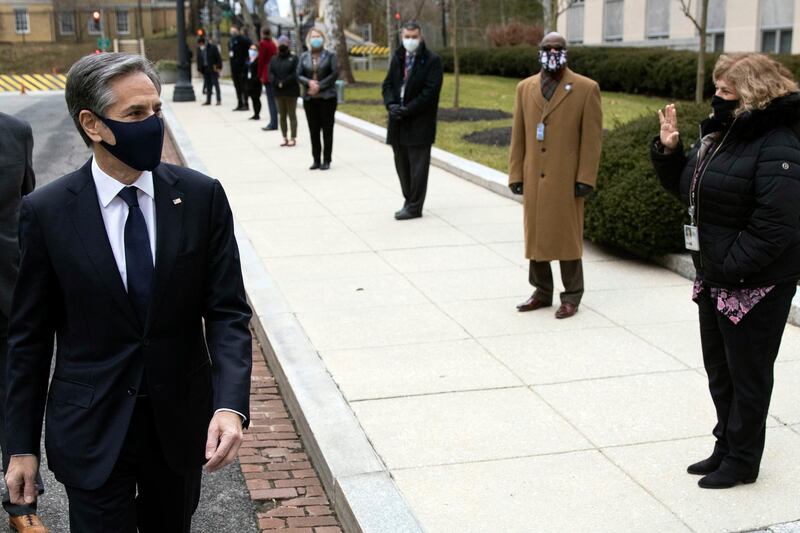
<point x="317" y="72"/>
<point x="283" y="76"/>
<point x="741" y="183"/>
<point x="252" y="84"/>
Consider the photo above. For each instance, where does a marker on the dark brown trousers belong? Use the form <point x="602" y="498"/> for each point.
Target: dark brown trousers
<point x="540" y="276"/>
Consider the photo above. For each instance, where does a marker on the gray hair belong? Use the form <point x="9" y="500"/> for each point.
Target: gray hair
<point x="89" y="83"/>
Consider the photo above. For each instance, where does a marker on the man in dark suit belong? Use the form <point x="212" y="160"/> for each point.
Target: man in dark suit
<point x="411" y="95"/>
<point x="16" y="180"/>
<point x="209" y="64"/>
<point x="238" y="45"/>
<point x="134" y="267"/>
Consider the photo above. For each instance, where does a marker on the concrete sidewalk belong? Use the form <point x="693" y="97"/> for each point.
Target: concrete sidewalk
<point x="485" y="419"/>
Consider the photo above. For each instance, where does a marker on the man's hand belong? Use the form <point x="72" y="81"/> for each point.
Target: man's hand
<point x="582" y="190"/>
<point x="21" y="479"/>
<point x="394" y="111"/>
<point x="224" y="439"/>
<point x="516" y="188"/>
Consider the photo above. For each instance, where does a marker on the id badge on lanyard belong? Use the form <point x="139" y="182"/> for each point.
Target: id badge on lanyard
<point x="540" y="132"/>
<point x="691" y="238"/>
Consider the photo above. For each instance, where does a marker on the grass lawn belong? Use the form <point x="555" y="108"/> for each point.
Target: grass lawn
<point x="485" y="92"/>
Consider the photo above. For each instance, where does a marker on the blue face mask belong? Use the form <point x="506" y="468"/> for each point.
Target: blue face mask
<point x="139" y="143"/>
<point x="317" y="43"/>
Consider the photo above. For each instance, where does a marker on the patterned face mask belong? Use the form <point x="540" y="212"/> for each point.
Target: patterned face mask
<point x="552" y="59"/>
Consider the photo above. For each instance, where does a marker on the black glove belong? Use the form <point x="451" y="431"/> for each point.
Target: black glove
<point x="403" y="111"/>
<point x="394" y="111"/>
<point x="582" y="190"/>
<point x="516" y="188"/>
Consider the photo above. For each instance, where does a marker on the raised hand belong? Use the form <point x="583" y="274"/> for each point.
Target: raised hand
<point x="669" y="127"/>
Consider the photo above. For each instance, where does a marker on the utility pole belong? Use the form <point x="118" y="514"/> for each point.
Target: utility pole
<point x="390" y="28"/>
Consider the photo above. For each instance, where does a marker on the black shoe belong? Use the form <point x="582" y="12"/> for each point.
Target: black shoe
<point x="240" y="108"/>
<point x="705" y="467"/>
<point x="254" y="117"/>
<point x="405" y="214"/>
<point x="269" y="128"/>
<point x="206" y="103"/>
<point x="325" y="166"/>
<point x="219" y="103"/>
<point x="315" y="166"/>
<point x="723" y="480"/>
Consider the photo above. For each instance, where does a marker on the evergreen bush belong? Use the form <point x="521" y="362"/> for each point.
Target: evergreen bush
<point x="630" y="210"/>
<point x="651" y="71"/>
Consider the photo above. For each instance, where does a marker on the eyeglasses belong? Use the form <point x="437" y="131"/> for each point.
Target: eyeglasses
<point x="556" y="48"/>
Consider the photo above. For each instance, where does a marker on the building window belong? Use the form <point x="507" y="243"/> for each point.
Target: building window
<point x="94" y="28"/>
<point x="66" y="23"/>
<point x="612" y="23"/>
<point x="122" y="21"/>
<point x="575" y="22"/>
<point x="21" y="21"/>
<point x="776" y="28"/>
<point x="658" y="19"/>
<point x="715" y="26"/>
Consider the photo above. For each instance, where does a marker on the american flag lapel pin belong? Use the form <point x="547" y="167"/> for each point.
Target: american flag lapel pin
<point x="177" y="201"/>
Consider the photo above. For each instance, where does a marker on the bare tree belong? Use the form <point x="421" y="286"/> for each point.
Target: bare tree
<point x="333" y="21"/>
<point x="701" y="25"/>
<point x="454" y="42"/>
<point x="554" y="9"/>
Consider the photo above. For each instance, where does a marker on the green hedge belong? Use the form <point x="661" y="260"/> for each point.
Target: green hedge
<point x="630" y="209"/>
<point x="653" y="71"/>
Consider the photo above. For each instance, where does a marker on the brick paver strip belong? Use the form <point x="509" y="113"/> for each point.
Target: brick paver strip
<point x="283" y="485"/>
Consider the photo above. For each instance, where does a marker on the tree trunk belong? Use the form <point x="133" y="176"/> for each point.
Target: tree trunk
<point x="298" y="43"/>
<point x="454" y="40"/>
<point x="553" y="15"/>
<point x="389" y="29"/>
<point x="333" y="21"/>
<point x="700" y="82"/>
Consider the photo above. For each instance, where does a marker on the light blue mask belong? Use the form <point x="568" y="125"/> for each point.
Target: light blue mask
<point x="317" y="42"/>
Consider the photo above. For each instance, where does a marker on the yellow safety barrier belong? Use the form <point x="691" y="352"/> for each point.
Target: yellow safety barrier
<point x="364" y="50"/>
<point x="32" y="82"/>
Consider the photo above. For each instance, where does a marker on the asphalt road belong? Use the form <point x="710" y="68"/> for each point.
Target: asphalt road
<point x="225" y="505"/>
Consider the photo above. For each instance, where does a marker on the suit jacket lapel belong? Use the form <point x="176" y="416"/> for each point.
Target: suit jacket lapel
<point x="538" y="98"/>
<point x="85" y="213"/>
<point x="169" y="227"/>
<point x="563" y="90"/>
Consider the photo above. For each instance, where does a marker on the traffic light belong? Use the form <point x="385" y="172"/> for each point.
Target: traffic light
<point x="397" y="16"/>
<point x="201" y="32"/>
<point x="96" y="17"/>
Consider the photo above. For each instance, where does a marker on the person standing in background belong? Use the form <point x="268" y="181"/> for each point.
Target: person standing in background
<point x="283" y="76"/>
<point x="556" y="140"/>
<point x="238" y="45"/>
<point x="266" y="51"/>
<point x="209" y="63"/>
<point x="411" y="95"/>
<point x="318" y="71"/>
<point x="252" y="84"/>
<point x="16" y="180"/>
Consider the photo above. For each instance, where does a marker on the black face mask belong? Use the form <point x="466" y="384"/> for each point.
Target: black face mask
<point x="139" y="143"/>
<point x="723" y="109"/>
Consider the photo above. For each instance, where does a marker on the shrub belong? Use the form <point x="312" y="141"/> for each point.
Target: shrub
<point x="652" y="71"/>
<point x="167" y="65"/>
<point x="513" y="34"/>
<point x="630" y="209"/>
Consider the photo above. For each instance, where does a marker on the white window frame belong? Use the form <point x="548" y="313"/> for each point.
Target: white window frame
<point x="127" y="29"/>
<point x="66" y="15"/>
<point x="656" y="35"/>
<point x="22" y="11"/>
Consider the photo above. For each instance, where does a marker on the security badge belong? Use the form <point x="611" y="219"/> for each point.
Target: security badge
<point x="540" y="126"/>
<point x="691" y="238"/>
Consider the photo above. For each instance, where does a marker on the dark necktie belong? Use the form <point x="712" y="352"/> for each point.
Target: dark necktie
<point x="138" y="255"/>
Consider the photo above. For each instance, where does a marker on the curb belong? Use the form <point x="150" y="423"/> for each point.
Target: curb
<point x="497" y="182"/>
<point x="361" y="490"/>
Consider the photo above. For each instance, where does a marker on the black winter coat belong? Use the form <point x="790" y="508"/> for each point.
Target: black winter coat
<point x="283" y="75"/>
<point x="421" y="97"/>
<point x="748" y="205"/>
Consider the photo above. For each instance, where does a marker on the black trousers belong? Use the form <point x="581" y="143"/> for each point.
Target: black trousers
<point x="321" y="113"/>
<point x="237" y="73"/>
<point x="540" y="275"/>
<point x="739" y="360"/>
<point x="10" y="508"/>
<point x="142" y="492"/>
<point x="254" y="93"/>
<point x="412" y="164"/>
<point x="211" y="80"/>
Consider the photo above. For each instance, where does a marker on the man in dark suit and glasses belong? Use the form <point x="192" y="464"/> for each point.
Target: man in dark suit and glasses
<point x="16" y="180"/>
<point x="133" y="266"/>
